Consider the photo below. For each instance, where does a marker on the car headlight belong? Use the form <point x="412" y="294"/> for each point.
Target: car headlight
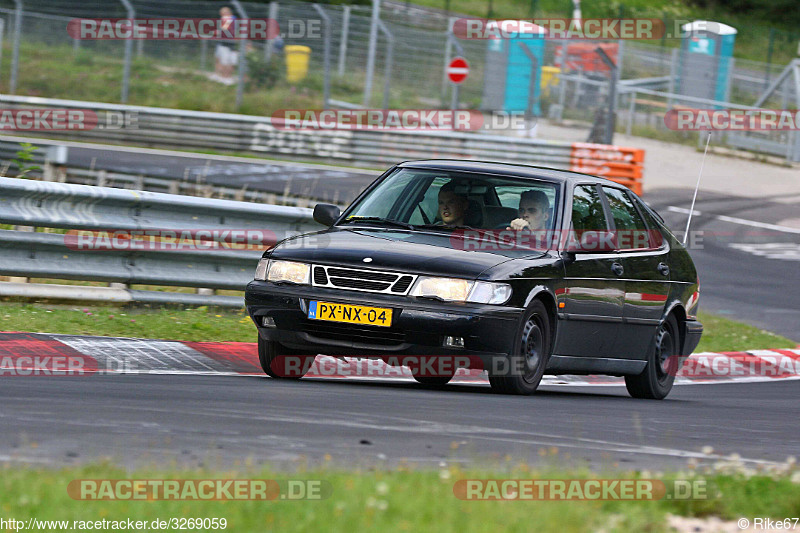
<point x="455" y="290"/>
<point x="261" y="270"/>
<point x="290" y="271"/>
<point x="485" y="292"/>
<point x="461" y="290"/>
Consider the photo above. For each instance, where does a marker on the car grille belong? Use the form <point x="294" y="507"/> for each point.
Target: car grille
<point x="353" y="333"/>
<point x="362" y="280"/>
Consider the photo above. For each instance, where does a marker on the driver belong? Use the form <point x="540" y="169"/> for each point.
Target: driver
<point x="534" y="212"/>
<point x="452" y="206"/>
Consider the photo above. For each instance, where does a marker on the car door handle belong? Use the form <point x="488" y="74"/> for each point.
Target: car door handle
<point x="617" y="269"/>
<point x="663" y="268"/>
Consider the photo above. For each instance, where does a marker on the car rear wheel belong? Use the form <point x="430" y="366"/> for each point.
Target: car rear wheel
<point x="280" y="362"/>
<point x="522" y="372"/>
<point x="656" y="380"/>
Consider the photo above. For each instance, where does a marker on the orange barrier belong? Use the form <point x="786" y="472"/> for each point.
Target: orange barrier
<point x="622" y="165"/>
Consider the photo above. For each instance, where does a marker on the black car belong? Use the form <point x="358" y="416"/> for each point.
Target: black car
<point x="517" y="269"/>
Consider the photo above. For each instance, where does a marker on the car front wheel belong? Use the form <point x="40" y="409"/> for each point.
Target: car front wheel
<point x="522" y="371"/>
<point x="279" y="362"/>
<point x="656" y="380"/>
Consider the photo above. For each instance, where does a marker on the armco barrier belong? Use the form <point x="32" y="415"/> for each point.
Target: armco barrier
<point x="193" y="130"/>
<point x="81" y="207"/>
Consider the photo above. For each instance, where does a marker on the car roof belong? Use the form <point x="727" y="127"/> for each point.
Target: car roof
<point x="508" y="169"/>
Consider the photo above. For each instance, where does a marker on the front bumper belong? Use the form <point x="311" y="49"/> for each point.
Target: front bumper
<point x="418" y="327"/>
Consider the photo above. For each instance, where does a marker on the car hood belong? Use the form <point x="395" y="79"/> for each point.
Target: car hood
<point x="438" y="254"/>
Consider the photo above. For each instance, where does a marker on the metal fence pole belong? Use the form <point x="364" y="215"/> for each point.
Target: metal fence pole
<point x="373" y="43"/>
<point x="448" y="56"/>
<point x="631" y="112"/>
<point x="326" y="61"/>
<point x="273" y="14"/>
<point x="12" y="86"/>
<point x="387" y="69"/>
<point x="673" y="74"/>
<point x="2" y="34"/>
<point x="242" y="53"/>
<point x="344" y="37"/>
<point x="126" y="69"/>
<point x="608" y="138"/>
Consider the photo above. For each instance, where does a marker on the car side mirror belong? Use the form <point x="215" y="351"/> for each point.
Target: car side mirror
<point x="326" y="214"/>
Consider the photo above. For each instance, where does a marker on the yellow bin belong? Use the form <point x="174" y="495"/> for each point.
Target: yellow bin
<point x="549" y="78"/>
<point x="296" y="62"/>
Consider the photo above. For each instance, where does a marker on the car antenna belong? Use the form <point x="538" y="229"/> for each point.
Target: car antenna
<point x="696" y="188"/>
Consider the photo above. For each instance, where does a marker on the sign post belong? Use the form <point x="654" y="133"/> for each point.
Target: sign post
<point x="457" y="72"/>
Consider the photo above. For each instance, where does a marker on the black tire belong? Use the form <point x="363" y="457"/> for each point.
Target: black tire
<point x="657" y="378"/>
<point x="530" y="357"/>
<point x="271" y="355"/>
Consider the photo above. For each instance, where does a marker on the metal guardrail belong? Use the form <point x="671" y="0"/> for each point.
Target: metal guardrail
<point x="192" y="130"/>
<point x="79" y="207"/>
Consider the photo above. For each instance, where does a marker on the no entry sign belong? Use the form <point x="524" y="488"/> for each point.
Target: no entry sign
<point x="458" y="70"/>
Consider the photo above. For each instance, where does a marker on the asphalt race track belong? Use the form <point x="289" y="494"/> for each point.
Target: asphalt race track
<point x="218" y="421"/>
<point x="139" y="401"/>
<point x="748" y="263"/>
<point x="302" y="179"/>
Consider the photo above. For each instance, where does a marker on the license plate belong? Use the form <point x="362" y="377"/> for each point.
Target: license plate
<point x="353" y="314"/>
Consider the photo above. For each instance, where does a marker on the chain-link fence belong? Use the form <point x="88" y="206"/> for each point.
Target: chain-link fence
<point x="394" y="60"/>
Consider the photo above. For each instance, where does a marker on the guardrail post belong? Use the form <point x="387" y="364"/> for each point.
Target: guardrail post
<point x="326" y="61"/>
<point x="273" y="14"/>
<point x="387" y="69"/>
<point x="126" y="70"/>
<point x="373" y="43"/>
<point x="12" y="85"/>
<point x="343" y="39"/>
<point x="242" y="54"/>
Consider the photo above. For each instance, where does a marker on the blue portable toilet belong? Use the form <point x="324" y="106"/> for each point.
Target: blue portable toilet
<point x="706" y="60"/>
<point x="507" y="73"/>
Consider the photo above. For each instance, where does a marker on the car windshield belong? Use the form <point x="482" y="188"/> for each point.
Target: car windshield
<point x="440" y="200"/>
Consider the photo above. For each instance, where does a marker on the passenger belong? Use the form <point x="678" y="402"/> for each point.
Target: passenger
<point x="534" y="212"/>
<point x="452" y="206"/>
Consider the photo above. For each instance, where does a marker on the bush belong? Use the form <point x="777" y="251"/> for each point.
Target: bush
<point x="262" y="73"/>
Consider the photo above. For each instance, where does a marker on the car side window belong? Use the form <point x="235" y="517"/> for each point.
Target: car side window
<point x="587" y="211"/>
<point x="429" y="205"/>
<point x="631" y="230"/>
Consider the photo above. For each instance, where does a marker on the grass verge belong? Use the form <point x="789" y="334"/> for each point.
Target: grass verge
<point x="402" y="500"/>
<point x="204" y="324"/>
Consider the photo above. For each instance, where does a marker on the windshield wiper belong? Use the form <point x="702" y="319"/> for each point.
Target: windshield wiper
<point x="444" y="227"/>
<point x="381" y="220"/>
